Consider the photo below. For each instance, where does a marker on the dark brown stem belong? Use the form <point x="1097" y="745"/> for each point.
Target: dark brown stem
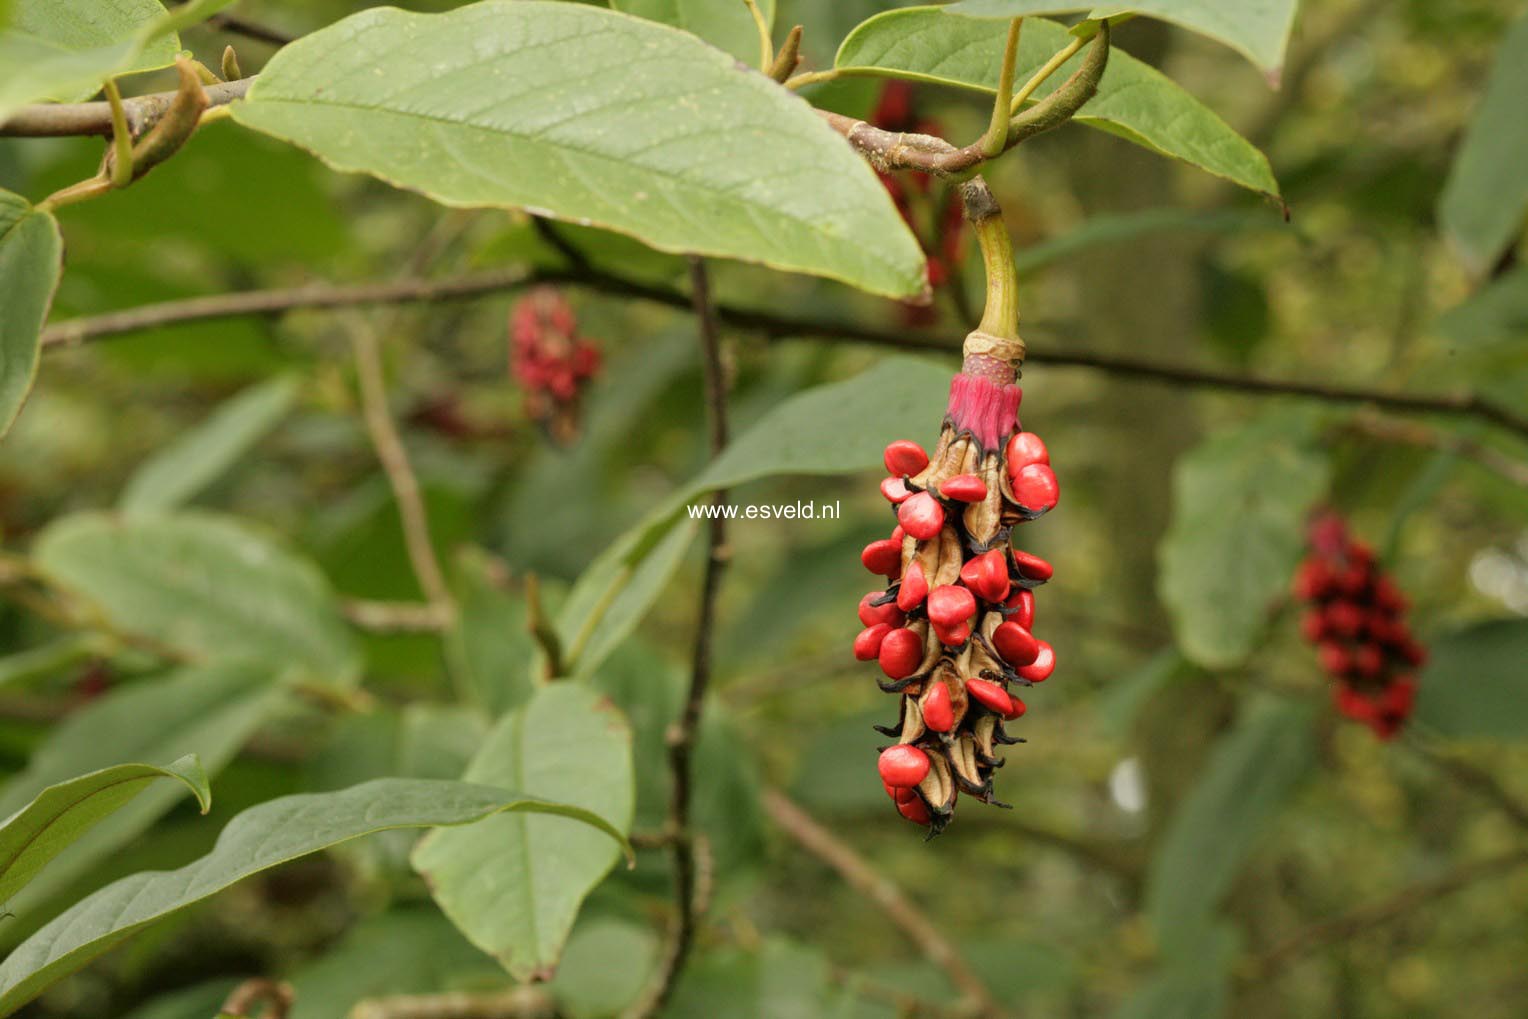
<point x="895" y="150"/>
<point x="59" y="120"/>
<point x="689" y="877"/>
<point x="768" y="324"/>
<point x="885" y="894"/>
<point x="1365" y="918"/>
<point x="236" y="25"/>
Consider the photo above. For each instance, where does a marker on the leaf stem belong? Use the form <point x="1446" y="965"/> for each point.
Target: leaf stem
<point x="121" y="138"/>
<point x="996" y="137"/>
<point x="813" y="78"/>
<point x="1046" y="70"/>
<point x="1000" y="317"/>
<point x="766" y="44"/>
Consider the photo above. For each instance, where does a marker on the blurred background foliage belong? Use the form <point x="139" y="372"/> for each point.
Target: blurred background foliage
<point x="1174" y="827"/>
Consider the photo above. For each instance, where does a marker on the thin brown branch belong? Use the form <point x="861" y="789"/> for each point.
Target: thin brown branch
<point x="527" y="1002"/>
<point x="59" y="120"/>
<point x="1412" y="433"/>
<point x="277" y="998"/>
<point x="896" y="150"/>
<point x="395" y="464"/>
<point x="396" y="616"/>
<point x="1365" y="918"/>
<point x="235" y="25"/>
<point x="769" y="324"/>
<point x="885" y="894"/>
<point x="691" y="862"/>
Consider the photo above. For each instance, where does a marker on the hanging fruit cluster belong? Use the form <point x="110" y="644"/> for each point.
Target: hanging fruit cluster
<point x="1356" y="620"/>
<point x="933" y="214"/>
<point x="953" y="629"/>
<point x="551" y="361"/>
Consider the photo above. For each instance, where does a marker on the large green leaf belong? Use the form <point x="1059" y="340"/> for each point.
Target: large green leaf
<point x="178" y="471"/>
<point x="1485" y="200"/>
<point x="514" y="884"/>
<point x="1249" y="774"/>
<point x="592" y="116"/>
<point x="1240" y="503"/>
<point x="206" y="585"/>
<point x="208" y="711"/>
<point x="1258" y="29"/>
<point x="728" y="26"/>
<point x="256" y="840"/>
<point x="31" y="259"/>
<point x="834" y="429"/>
<point x="1475" y="685"/>
<point x="490" y="645"/>
<point x="65" y="49"/>
<point x="62" y="813"/>
<point x="1134" y="101"/>
<point x="1497" y="313"/>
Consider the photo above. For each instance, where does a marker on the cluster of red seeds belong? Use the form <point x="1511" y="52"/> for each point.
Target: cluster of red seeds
<point x="936" y="220"/>
<point x="952" y="630"/>
<point x="1356" y="620"/>
<point x="550" y="360"/>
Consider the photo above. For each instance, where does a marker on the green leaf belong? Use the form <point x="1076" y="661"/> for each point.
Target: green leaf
<point x="1135" y="101"/>
<point x="260" y="838"/>
<point x="492" y="105"/>
<point x="1193" y="983"/>
<point x="62" y="813"/>
<point x="726" y="25"/>
<point x="1257" y="29"/>
<point x="490" y="646"/>
<point x="834" y="429"/>
<point x="1240" y="501"/>
<point x="1120" y="228"/>
<point x="177" y="472"/>
<point x="31" y="260"/>
<point x="606" y="966"/>
<point x="1249" y="774"/>
<point x="206" y="585"/>
<point x="1475" y="685"/>
<point x="1485" y="199"/>
<point x="1497" y="313"/>
<point x="403" y="951"/>
<point x="51" y="658"/>
<point x="64" y="50"/>
<point x="637" y="593"/>
<point x="514" y="884"/>
<point x="210" y="712"/>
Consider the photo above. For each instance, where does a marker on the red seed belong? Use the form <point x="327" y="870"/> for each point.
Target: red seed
<point x="1025" y="448"/>
<point x="871" y="614"/>
<point x="1401" y="695"/>
<point x="915" y="810"/>
<point x="1313" y="580"/>
<point x="1017" y="711"/>
<point x="1022" y="605"/>
<point x="883" y="557"/>
<point x="1036" y="489"/>
<point x="991" y="694"/>
<point x="1344" y="618"/>
<point x="964" y="488"/>
<point x="895" y="490"/>
<point x="902" y="766"/>
<point x="1313" y="625"/>
<point x="950" y="606"/>
<point x="1414" y="653"/>
<point x="901" y="653"/>
<point x="1369" y="660"/>
<point x="1389" y="597"/>
<point x="921" y="516"/>
<point x="987" y="576"/>
<point x="1354" y="580"/>
<point x="897" y="534"/>
<point x="1032" y="566"/>
<point x="1015" y="645"/>
<point x="867" y="646"/>
<point x="905" y="457"/>
<point x="1039" y="670"/>
<point x="914" y="588"/>
<point x="1354" y="704"/>
<point x="1334" y="658"/>
<point x="938" y="712"/>
<point x="953" y="636"/>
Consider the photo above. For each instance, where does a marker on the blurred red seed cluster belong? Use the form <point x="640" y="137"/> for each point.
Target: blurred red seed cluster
<point x="934" y="215"/>
<point x="550" y="360"/>
<point x="1357" y="621"/>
